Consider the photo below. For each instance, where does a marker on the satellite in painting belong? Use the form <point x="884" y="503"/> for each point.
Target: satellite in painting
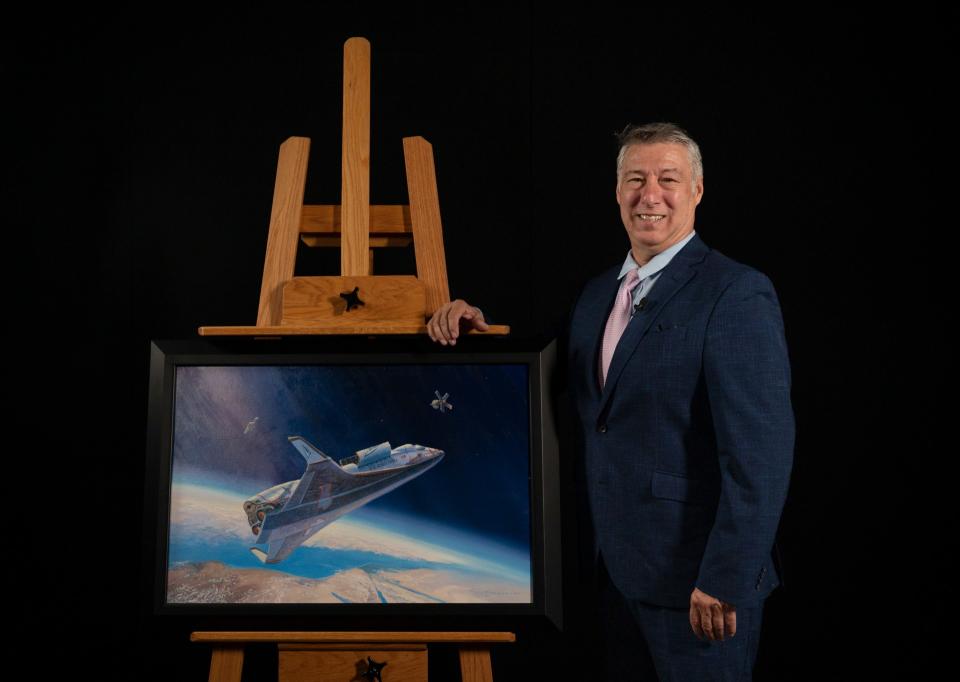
<point x="441" y="402"/>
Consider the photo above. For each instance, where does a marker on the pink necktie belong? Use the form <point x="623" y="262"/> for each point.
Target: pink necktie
<point x="617" y="322"/>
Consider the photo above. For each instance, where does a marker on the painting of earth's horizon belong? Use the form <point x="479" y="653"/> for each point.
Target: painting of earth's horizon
<point x="385" y="484"/>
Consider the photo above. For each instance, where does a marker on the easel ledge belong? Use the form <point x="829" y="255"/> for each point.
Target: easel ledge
<point x="373" y="330"/>
<point x="353" y="637"/>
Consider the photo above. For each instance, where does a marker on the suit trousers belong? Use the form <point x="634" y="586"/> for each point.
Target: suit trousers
<point x="648" y="642"/>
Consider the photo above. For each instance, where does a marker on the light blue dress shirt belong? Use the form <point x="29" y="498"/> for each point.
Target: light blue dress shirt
<point x="650" y="273"/>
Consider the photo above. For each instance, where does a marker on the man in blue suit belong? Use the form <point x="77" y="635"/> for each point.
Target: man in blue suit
<point x="681" y="378"/>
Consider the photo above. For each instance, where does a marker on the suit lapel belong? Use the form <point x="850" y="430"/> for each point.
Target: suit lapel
<point x="680" y="270"/>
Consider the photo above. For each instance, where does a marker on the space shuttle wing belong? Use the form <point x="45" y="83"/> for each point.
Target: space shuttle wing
<point x="278" y="551"/>
<point x="322" y="476"/>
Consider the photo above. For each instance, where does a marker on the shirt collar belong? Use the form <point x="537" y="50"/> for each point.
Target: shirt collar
<point x="655" y="264"/>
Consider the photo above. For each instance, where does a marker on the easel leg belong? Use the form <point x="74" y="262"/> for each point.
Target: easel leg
<point x="284" y="233"/>
<point x="425" y="221"/>
<point x="475" y="665"/>
<point x="226" y="664"/>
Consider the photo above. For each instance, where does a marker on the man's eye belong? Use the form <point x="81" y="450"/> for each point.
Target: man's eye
<point x="669" y="180"/>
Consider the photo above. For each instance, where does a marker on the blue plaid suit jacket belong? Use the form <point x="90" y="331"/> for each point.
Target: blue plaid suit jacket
<point x="688" y="446"/>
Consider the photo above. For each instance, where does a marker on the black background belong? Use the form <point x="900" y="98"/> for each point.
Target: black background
<point x="139" y="159"/>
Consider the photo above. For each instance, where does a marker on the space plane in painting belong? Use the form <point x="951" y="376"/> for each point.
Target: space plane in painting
<point x="284" y="516"/>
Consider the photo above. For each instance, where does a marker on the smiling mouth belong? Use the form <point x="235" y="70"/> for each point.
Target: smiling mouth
<point x="649" y="217"/>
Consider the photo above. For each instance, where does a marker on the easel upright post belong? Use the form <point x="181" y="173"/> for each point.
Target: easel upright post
<point x="355" y="171"/>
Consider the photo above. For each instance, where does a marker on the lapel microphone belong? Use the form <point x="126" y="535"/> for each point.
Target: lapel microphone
<point x="640" y="305"/>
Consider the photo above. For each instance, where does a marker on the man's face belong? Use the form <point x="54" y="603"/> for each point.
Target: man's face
<point x="658" y="197"/>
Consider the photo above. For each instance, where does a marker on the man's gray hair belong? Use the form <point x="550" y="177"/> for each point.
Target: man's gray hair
<point x="652" y="133"/>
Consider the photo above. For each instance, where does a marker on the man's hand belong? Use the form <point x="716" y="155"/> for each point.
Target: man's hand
<point x="453" y="318"/>
<point x="711" y="618"/>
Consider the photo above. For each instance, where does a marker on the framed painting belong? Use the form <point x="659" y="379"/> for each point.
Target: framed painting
<point x="393" y="478"/>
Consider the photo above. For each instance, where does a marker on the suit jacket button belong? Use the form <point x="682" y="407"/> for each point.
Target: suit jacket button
<point x="602" y="428"/>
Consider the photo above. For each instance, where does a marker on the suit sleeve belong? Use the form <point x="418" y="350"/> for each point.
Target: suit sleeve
<point x="747" y="376"/>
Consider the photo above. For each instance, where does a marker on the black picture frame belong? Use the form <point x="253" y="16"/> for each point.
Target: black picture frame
<point x="536" y="359"/>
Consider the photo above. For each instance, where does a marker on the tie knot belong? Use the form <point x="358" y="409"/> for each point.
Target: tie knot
<point x="633" y="276"/>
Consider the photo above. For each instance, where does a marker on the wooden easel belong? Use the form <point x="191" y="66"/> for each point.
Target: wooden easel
<point x="321" y="305"/>
<point x="340" y="656"/>
<point x="313" y="305"/>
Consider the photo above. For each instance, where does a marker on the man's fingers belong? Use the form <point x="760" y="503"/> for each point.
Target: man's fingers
<point x="453" y="323"/>
<point x="476" y="316"/>
<point x="437" y="327"/>
<point x="730" y="620"/>
<point x="716" y="619"/>
<point x="706" y="623"/>
<point x="436" y="333"/>
<point x="695" y="622"/>
<point x="701" y="620"/>
<point x="711" y="618"/>
<point x="444" y="326"/>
